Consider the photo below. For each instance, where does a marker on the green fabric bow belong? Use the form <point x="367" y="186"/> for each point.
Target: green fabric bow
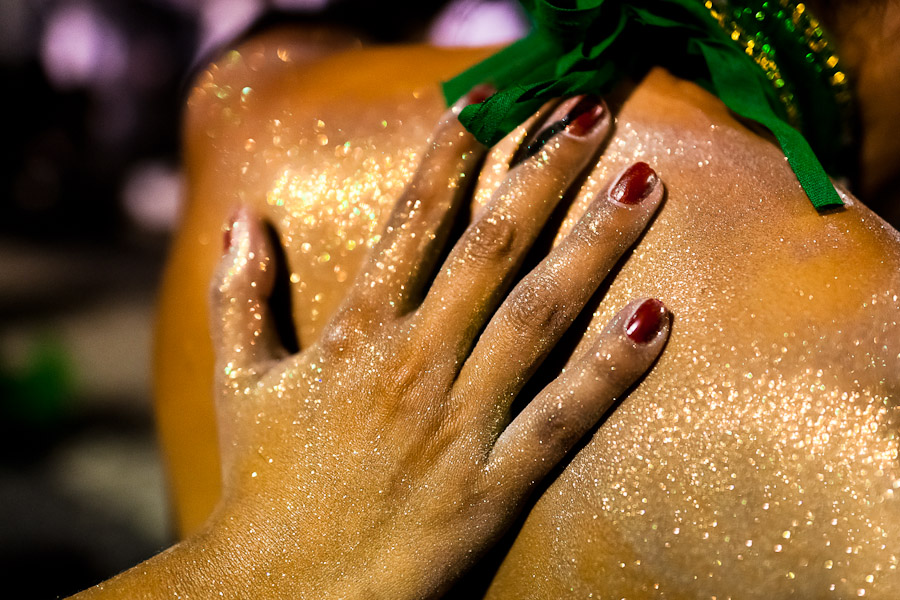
<point x="586" y="46"/>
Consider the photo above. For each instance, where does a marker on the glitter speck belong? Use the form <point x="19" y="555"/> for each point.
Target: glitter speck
<point x="758" y="446"/>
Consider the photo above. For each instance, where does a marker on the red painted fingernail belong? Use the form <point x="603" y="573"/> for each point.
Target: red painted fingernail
<point x="634" y="184"/>
<point x="584" y="115"/>
<point x="227" y="234"/>
<point x="578" y="121"/>
<point x="646" y="321"/>
<point x="226" y="239"/>
<point x="480" y="93"/>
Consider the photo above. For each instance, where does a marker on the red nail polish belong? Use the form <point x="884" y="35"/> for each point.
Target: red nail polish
<point x="227" y="235"/>
<point x="578" y="121"/>
<point x="634" y="185"/>
<point x="584" y="115"/>
<point x="646" y="321"/>
<point x="480" y="93"/>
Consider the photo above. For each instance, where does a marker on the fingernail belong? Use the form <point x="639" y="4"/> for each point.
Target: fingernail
<point x="634" y="184"/>
<point x="228" y="236"/>
<point x="480" y="93"/>
<point x="646" y="322"/>
<point x="578" y="121"/>
<point x="584" y="115"/>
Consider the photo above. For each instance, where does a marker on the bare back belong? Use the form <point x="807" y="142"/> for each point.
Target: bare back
<point x="758" y="458"/>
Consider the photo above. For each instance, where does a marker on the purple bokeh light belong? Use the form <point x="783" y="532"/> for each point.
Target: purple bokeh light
<point x="81" y="47"/>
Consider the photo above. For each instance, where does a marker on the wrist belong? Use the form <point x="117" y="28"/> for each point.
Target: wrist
<point x="269" y="555"/>
<point x="262" y="557"/>
<point x="189" y="569"/>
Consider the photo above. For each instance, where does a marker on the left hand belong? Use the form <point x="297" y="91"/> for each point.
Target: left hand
<point x="381" y="460"/>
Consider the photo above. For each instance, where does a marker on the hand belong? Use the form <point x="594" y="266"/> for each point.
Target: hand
<point x="381" y="460"/>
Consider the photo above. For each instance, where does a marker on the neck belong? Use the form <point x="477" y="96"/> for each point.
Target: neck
<point x="867" y="34"/>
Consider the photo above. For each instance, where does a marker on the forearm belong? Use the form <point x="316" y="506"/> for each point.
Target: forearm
<point x="196" y="568"/>
<point x="233" y="561"/>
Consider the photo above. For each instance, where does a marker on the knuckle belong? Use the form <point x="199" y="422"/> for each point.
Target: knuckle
<point x="598" y="232"/>
<point x="347" y="328"/>
<point x="557" y="161"/>
<point x="450" y="135"/>
<point x="401" y="380"/>
<point x="422" y="188"/>
<point x="616" y="367"/>
<point x="447" y="143"/>
<point x="553" y="173"/>
<point x="535" y="304"/>
<point x="440" y="176"/>
<point x="408" y="385"/>
<point x="492" y="239"/>
<point x="449" y="131"/>
<point x="339" y="335"/>
<point x="560" y="428"/>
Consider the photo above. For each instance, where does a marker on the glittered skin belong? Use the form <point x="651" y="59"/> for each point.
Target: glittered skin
<point x="759" y="458"/>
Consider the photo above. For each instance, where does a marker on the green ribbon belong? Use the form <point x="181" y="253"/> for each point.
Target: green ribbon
<point x="587" y="46"/>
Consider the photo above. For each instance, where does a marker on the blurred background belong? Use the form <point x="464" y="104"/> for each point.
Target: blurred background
<point x="91" y="190"/>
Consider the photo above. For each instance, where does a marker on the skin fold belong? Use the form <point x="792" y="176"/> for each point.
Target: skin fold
<point x="758" y="458"/>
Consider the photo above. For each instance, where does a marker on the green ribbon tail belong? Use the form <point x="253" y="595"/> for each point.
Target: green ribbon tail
<point x="519" y="71"/>
<point x="737" y="84"/>
<point x="514" y="63"/>
<point x="575" y="49"/>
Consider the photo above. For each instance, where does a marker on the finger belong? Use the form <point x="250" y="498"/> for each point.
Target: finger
<point x="544" y="304"/>
<point x="241" y="326"/>
<point x="544" y="432"/>
<point x="504" y="155"/>
<point x="488" y="255"/>
<point x="417" y="228"/>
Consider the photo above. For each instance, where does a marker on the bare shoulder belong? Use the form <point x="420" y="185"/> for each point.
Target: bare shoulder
<point x="759" y="457"/>
<point x="761" y="452"/>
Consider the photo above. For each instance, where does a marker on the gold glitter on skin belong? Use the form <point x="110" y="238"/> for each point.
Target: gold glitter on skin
<point x="773" y="409"/>
<point x="764" y="443"/>
<point x="340" y="462"/>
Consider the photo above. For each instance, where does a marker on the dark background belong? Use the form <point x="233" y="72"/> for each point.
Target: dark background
<point x="90" y="189"/>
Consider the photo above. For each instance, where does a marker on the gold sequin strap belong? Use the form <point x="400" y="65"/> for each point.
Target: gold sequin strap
<point x="802" y="64"/>
<point x="769" y="61"/>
